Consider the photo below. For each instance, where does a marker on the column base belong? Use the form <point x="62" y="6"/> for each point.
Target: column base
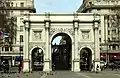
<point x="76" y="64"/>
<point x="47" y="67"/>
<point x="26" y="67"/>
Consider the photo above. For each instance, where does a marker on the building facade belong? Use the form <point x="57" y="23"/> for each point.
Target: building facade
<point x="81" y="30"/>
<point x="13" y="52"/>
<point x="109" y="33"/>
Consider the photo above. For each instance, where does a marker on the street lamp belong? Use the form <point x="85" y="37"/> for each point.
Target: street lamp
<point x="20" y="55"/>
<point x="106" y="49"/>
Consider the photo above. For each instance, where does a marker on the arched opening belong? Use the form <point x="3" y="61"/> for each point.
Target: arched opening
<point x="37" y="59"/>
<point x="85" y="59"/>
<point x="61" y="52"/>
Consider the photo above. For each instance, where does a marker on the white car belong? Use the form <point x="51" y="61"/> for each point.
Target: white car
<point x="102" y="64"/>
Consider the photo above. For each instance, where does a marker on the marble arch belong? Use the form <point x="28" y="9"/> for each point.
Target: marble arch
<point x="39" y="30"/>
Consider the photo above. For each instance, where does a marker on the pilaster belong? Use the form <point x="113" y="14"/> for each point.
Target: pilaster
<point x="47" y="62"/>
<point x="97" y="48"/>
<point x="76" y="61"/>
<point x="106" y="27"/>
<point x="26" y="47"/>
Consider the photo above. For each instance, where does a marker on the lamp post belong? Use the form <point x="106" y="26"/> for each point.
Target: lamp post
<point x="106" y="49"/>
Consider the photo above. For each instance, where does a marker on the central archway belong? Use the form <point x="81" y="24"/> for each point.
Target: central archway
<point x="61" y="52"/>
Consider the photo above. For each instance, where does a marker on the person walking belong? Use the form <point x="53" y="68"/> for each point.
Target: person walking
<point x="97" y="68"/>
<point x="91" y="67"/>
<point x="19" y="67"/>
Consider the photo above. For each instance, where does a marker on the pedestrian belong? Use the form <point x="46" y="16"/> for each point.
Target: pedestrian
<point x="113" y="65"/>
<point x="19" y="67"/>
<point x="91" y="67"/>
<point x="53" y="66"/>
<point x="97" y="68"/>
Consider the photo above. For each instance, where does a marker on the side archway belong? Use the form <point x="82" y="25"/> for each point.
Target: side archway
<point x="37" y="59"/>
<point x="85" y="59"/>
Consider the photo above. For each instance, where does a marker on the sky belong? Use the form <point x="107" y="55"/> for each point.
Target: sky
<point x="57" y="6"/>
<point x="61" y="6"/>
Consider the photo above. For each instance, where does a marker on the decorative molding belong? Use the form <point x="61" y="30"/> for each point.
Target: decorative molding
<point x="80" y="45"/>
<point x="70" y="30"/>
<point x="35" y="44"/>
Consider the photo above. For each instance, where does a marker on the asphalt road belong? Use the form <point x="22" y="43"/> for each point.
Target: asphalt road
<point x="64" y="74"/>
<point x="103" y="74"/>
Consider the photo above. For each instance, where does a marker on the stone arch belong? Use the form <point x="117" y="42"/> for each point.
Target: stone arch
<point x="30" y="55"/>
<point x="34" y="48"/>
<point x="56" y="32"/>
<point x="86" y="58"/>
<point x="86" y="47"/>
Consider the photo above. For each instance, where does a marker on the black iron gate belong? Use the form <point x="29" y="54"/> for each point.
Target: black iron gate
<point x="61" y="57"/>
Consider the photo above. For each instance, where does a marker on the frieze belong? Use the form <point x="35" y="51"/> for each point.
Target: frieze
<point x="70" y="30"/>
<point x="33" y="44"/>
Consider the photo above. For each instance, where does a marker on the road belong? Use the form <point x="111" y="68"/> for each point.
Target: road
<point x="68" y="74"/>
<point x="64" y="74"/>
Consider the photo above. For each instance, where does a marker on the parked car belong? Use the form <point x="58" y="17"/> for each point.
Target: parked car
<point x="102" y="64"/>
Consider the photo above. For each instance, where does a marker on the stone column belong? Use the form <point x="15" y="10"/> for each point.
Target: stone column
<point x="106" y="28"/>
<point x="47" y="66"/>
<point x="76" y="61"/>
<point x="97" y="48"/>
<point x="26" y="51"/>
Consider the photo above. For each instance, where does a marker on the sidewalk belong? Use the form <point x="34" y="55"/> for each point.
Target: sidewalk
<point x="34" y="74"/>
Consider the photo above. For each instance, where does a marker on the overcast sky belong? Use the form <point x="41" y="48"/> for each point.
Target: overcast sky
<point x="57" y="5"/>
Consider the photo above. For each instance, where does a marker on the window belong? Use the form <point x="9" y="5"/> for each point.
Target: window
<point x="11" y="4"/>
<point x="99" y="32"/>
<point x="7" y="4"/>
<point x="2" y="48"/>
<point x="108" y="39"/>
<point x="21" y="28"/>
<point x="10" y="48"/>
<point x="108" y="32"/>
<point x="21" y="38"/>
<point x="108" y="25"/>
<point x="114" y="47"/>
<point x="21" y="4"/>
<point x="100" y="39"/>
<point x="11" y="13"/>
<point x="21" y="48"/>
<point x="6" y="48"/>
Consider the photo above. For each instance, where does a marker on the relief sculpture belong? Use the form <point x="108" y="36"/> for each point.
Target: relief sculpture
<point x="37" y="35"/>
<point x="85" y="35"/>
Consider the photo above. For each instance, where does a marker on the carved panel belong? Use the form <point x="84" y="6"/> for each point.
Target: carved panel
<point x="37" y="35"/>
<point x="70" y="30"/>
<point x="85" y="35"/>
